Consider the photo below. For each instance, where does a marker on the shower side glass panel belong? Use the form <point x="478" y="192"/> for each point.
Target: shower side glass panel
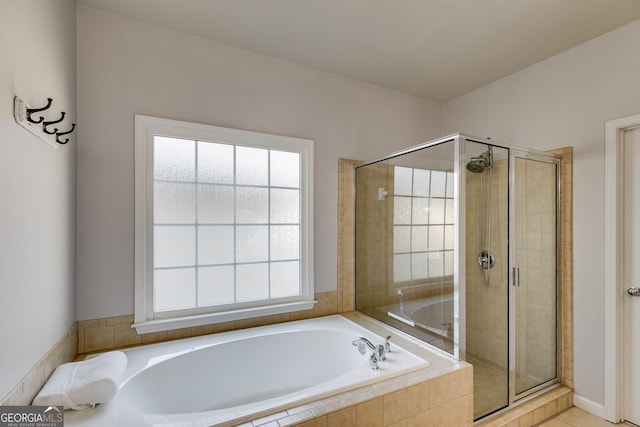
<point x="405" y="219"/>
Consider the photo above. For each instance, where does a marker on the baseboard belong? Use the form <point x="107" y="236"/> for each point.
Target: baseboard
<point x="589" y="405"/>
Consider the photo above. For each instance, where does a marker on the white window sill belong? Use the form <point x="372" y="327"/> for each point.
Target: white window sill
<point x="160" y="325"/>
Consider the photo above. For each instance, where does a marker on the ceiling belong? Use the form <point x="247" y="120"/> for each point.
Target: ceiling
<point x="436" y="49"/>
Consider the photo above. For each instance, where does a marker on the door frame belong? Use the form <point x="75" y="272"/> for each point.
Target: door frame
<point x="613" y="246"/>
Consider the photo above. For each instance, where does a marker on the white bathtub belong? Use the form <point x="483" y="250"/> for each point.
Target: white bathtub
<point x="217" y="378"/>
<point x="434" y="314"/>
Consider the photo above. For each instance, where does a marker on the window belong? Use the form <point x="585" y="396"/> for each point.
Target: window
<point x="223" y="224"/>
<point x="423" y="220"/>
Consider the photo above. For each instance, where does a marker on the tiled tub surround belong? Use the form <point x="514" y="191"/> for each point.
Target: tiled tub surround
<point x="440" y="394"/>
<point x="65" y="350"/>
<point x="111" y="333"/>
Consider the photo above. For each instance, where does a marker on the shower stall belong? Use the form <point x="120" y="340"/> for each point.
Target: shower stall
<point x="457" y="245"/>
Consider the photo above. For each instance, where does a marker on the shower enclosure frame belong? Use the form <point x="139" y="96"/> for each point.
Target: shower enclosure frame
<point x="544" y="157"/>
<point x="459" y="263"/>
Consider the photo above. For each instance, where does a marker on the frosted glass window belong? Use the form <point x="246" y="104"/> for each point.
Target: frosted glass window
<point x="436" y="238"/>
<point x="419" y="266"/>
<point x="215" y="163"/>
<point x="252" y="166"/>
<point x="174" y="159"/>
<point x="285" y="242"/>
<point x="436" y="214"/>
<point x="252" y="243"/>
<point x="401" y="239"/>
<point x="448" y="237"/>
<point x="285" y="169"/>
<point x="448" y="263"/>
<point x="436" y="264"/>
<point x="448" y="211"/>
<point x="438" y="184"/>
<point x="215" y="245"/>
<point x="174" y="289"/>
<point x="252" y="205"/>
<point x="402" y="210"/>
<point x="421" y="180"/>
<point x="215" y="204"/>
<point x="225" y="223"/>
<point x="216" y="285"/>
<point x="419" y="236"/>
<point x="285" y="279"/>
<point x="174" y="246"/>
<point x="401" y="268"/>
<point x="285" y="206"/>
<point x="402" y="180"/>
<point x="450" y="185"/>
<point x="421" y="206"/>
<point x="175" y="203"/>
<point x="252" y="282"/>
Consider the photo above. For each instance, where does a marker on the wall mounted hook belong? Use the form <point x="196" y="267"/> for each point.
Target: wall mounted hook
<point x="40" y="126"/>
<point x="52" y="122"/>
<point x="59" y="134"/>
<point x="30" y="111"/>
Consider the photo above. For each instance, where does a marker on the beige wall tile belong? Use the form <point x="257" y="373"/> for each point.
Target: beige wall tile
<point x="371" y="413"/>
<point x="344" y="417"/>
<point x="153" y="337"/>
<point x="395" y="407"/>
<point x="460" y="410"/>
<point x="125" y="336"/>
<point x="417" y="399"/>
<point x="439" y="391"/>
<point x="439" y="416"/>
<point x="316" y="422"/>
<point x="420" y="420"/>
<point x="100" y="338"/>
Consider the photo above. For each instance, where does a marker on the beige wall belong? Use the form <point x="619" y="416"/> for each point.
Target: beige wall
<point x="37" y="218"/>
<point x="127" y="67"/>
<point x="564" y="101"/>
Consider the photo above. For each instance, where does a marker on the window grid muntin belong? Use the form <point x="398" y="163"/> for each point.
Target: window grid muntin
<point x="268" y="261"/>
<point x="411" y="196"/>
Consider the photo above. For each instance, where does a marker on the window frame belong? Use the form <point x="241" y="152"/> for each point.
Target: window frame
<point x="146" y="128"/>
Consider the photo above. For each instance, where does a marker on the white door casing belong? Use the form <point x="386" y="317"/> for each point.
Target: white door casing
<point x="619" y="389"/>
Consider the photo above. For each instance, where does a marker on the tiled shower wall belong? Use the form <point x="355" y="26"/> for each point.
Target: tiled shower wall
<point x="487" y="331"/>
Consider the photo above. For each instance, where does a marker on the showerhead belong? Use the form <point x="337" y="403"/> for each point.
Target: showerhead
<point x="475" y="165"/>
<point x="480" y="163"/>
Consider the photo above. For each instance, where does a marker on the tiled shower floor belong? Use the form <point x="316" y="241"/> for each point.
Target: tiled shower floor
<point x="490" y="392"/>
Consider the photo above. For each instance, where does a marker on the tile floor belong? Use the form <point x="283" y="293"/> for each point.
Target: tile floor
<point x="576" y="417"/>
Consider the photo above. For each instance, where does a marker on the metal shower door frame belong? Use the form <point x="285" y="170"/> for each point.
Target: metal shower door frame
<point x="513" y="277"/>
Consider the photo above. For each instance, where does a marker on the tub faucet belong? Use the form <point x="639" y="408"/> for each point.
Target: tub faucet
<point x="378" y="352"/>
<point x="401" y="296"/>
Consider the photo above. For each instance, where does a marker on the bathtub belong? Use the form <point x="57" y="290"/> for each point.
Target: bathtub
<point x="432" y="314"/>
<point x="215" y="379"/>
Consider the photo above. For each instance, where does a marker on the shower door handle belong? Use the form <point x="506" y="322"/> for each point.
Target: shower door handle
<point x="516" y="276"/>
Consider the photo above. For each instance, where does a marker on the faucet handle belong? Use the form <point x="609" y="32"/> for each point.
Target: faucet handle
<point x="373" y="360"/>
<point x="387" y="346"/>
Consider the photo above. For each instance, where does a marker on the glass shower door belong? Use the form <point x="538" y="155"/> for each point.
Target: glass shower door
<point x="486" y="256"/>
<point x="534" y="291"/>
